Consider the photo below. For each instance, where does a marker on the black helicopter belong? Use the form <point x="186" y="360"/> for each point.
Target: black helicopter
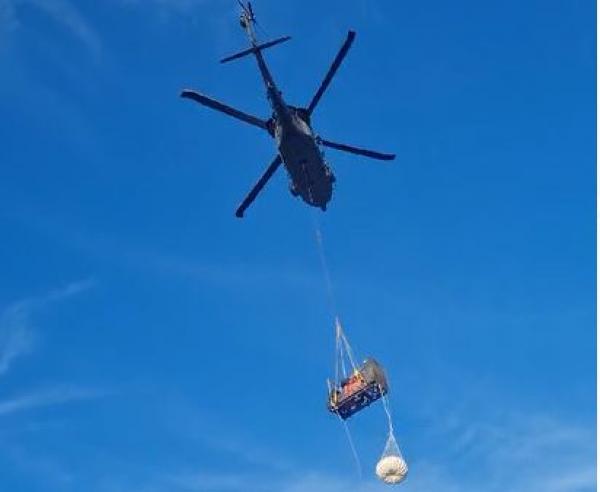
<point x="298" y="146"/>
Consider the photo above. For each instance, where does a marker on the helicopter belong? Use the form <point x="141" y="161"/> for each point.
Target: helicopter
<point x="299" y="148"/>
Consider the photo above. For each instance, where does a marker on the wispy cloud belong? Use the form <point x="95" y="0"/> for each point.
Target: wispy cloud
<point x="516" y="453"/>
<point x="519" y="454"/>
<point x="47" y="397"/>
<point x="63" y="12"/>
<point x="145" y="258"/>
<point x="194" y="424"/>
<point x="307" y="480"/>
<point x="16" y="426"/>
<point x="216" y="15"/>
<point x="219" y="482"/>
<point x="66" y="14"/>
<point x="40" y="39"/>
<point x="178" y="5"/>
<point x="17" y="335"/>
<point x="8" y="17"/>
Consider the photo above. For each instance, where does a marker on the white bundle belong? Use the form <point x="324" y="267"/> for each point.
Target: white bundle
<point x="391" y="467"/>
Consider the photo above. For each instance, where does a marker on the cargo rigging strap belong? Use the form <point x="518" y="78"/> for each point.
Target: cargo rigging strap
<point x="343" y="354"/>
<point x="386" y="407"/>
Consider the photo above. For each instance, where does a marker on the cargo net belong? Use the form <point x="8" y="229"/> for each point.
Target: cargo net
<point x="391" y="447"/>
<point x="391" y="467"/>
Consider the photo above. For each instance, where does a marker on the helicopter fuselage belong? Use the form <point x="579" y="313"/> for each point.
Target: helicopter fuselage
<point x="310" y="177"/>
<point x="298" y="147"/>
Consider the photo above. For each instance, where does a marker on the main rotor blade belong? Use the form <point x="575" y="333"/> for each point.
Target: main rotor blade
<point x="332" y="70"/>
<point x="356" y="150"/>
<point x="258" y="186"/>
<point x="219" y="106"/>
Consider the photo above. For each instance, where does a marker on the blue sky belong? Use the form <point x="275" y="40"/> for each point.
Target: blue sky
<point x="150" y="341"/>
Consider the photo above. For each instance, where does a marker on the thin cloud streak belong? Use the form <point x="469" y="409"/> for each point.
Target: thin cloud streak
<point x="48" y="397"/>
<point x="8" y="17"/>
<point x="143" y="258"/>
<point x="62" y="12"/>
<point x="16" y="339"/>
<point x="520" y="454"/>
<point x="180" y="6"/>
<point x="17" y="335"/>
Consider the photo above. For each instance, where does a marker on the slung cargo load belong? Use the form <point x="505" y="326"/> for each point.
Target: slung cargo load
<point x="364" y="386"/>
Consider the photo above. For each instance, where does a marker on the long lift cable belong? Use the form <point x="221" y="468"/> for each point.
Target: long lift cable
<point x="342" y="347"/>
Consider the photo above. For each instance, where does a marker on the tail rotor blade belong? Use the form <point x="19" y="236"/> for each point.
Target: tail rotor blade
<point x="332" y="70"/>
<point x="357" y="150"/>
<point x="258" y="187"/>
<point x="223" y="108"/>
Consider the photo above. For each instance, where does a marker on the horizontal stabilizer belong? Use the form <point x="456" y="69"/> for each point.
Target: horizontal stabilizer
<point x="259" y="47"/>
